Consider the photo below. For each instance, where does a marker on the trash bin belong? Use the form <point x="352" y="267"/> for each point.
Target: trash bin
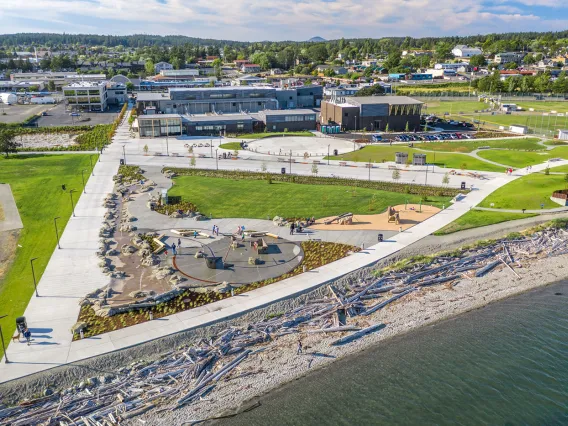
<point x="21" y="324"/>
<point x="380" y="238"/>
<point x="335" y="152"/>
<point x="283" y="170"/>
<point x="463" y="185"/>
<point x="122" y="161"/>
<point x="224" y="155"/>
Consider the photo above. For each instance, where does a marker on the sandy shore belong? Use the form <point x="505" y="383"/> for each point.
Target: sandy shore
<point x="279" y="364"/>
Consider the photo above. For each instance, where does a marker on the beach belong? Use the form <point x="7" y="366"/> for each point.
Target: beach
<point x="279" y="364"/>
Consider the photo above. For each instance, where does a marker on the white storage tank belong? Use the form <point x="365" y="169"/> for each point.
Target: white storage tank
<point x="8" y="98"/>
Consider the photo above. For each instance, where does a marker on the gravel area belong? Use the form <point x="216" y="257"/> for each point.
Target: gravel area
<point x="47" y="140"/>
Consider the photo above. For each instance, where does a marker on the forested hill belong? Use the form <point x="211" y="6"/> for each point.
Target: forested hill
<point x="143" y="40"/>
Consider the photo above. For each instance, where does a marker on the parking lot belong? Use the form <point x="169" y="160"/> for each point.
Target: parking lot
<point x="58" y="116"/>
<point x="18" y="113"/>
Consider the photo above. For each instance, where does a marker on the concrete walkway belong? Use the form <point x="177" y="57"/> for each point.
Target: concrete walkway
<point x="541" y="211"/>
<point x="10" y="212"/>
<point x="73" y="271"/>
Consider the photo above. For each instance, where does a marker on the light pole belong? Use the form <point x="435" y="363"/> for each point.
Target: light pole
<point x="71" y="191"/>
<point x="2" y="340"/>
<point x="370" y="165"/>
<point x="33" y="275"/>
<point x="328" y="153"/>
<point x="91" y="161"/>
<point x="124" y="154"/>
<point x="211" y="145"/>
<point x="290" y="161"/>
<point x="56" y="231"/>
<point x="83" y="178"/>
<point x="167" y="146"/>
<point x="217" y="159"/>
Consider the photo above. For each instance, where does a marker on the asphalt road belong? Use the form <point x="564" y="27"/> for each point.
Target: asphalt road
<point x="58" y="116"/>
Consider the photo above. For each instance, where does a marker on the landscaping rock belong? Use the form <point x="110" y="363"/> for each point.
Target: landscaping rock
<point x="78" y="326"/>
<point x="163" y="272"/>
<point x="176" y="280"/>
<point x="150" y="260"/>
<point x="176" y="215"/>
<point x="127" y="250"/>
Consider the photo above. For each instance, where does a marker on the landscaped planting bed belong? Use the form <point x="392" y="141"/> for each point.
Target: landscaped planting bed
<point x="316" y="254"/>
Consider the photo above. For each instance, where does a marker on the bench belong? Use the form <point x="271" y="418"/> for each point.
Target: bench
<point x="189" y="233"/>
<point x="282" y="160"/>
<point x="391" y="167"/>
<point x="316" y="161"/>
<point x="157" y="153"/>
<point x="262" y="246"/>
<point x="175" y="154"/>
<point x="161" y="245"/>
<point x="201" y="155"/>
<point x="343" y="163"/>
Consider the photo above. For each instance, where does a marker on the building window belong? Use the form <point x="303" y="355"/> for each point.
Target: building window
<point x="346" y="114"/>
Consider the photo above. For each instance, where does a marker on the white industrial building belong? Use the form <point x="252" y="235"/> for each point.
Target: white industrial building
<point x="89" y="96"/>
<point x="463" y="51"/>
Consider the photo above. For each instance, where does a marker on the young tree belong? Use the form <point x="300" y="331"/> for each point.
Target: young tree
<point x="387" y="128"/>
<point x="396" y="174"/>
<point x="566" y="179"/>
<point x="446" y="179"/>
<point x="146" y="149"/>
<point x="8" y="142"/>
<point x="406" y="128"/>
<point x="149" y="67"/>
<point x="263" y="166"/>
<point x="315" y="169"/>
<point x="192" y="162"/>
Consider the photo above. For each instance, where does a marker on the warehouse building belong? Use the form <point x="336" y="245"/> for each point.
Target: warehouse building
<point x="288" y="120"/>
<point x="372" y="113"/>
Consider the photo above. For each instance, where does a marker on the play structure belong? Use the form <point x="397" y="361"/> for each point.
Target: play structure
<point x="342" y="219"/>
<point x="393" y="215"/>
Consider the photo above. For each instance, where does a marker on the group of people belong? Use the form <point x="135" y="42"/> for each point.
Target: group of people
<point x="215" y="230"/>
<point x="298" y="225"/>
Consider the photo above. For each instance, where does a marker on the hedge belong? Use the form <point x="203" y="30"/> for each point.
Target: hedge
<point x="315" y="180"/>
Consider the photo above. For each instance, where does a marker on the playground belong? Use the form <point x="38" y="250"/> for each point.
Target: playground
<point x="393" y="219"/>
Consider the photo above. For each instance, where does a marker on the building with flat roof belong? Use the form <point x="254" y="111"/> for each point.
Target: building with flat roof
<point x="372" y="113"/>
<point x="506" y="57"/>
<point x="463" y="51"/>
<point x="86" y="96"/>
<point x="159" y="125"/>
<point x="288" y="120"/>
<point x="162" y="66"/>
<point x="60" y="79"/>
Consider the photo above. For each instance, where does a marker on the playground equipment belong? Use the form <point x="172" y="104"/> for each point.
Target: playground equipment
<point x="394" y="216"/>
<point x="338" y="218"/>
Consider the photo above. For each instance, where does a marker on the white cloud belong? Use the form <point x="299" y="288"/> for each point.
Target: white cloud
<point x="271" y="19"/>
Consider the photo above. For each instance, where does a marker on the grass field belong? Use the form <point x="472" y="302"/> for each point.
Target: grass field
<point x="477" y="218"/>
<point x="559" y="169"/>
<point x="528" y="192"/>
<point x="529" y="144"/>
<point x="259" y="199"/>
<point x="556" y="143"/>
<point x="268" y="134"/>
<point x="454" y="107"/>
<point x="380" y="154"/>
<point x="36" y="184"/>
<point x="520" y="159"/>
<point x="231" y="145"/>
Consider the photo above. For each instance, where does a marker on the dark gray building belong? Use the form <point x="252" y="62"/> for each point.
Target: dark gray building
<point x="213" y="124"/>
<point x="288" y="120"/>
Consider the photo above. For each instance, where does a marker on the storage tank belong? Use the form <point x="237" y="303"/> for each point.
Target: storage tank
<point x="8" y="98"/>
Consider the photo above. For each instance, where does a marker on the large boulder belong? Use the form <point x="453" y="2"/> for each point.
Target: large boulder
<point x="162" y="272"/>
<point x="127" y="250"/>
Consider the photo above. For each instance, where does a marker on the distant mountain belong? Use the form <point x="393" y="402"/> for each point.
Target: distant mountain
<point x="317" y="39"/>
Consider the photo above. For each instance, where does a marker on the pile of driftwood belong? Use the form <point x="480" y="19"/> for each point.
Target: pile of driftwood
<point x="187" y="374"/>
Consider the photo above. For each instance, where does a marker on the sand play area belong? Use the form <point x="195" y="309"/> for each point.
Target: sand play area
<point x="409" y="216"/>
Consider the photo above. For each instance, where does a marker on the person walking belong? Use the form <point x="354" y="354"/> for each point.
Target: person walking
<point x="214" y="226"/>
<point x="292" y="228"/>
<point x="179" y="242"/>
<point x="174" y="248"/>
<point x="300" y="347"/>
<point x="166" y="253"/>
<point x="28" y="335"/>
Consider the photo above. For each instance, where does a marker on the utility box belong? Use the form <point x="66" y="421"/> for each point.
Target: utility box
<point x="401" y="157"/>
<point x="419" y="159"/>
<point x="283" y="170"/>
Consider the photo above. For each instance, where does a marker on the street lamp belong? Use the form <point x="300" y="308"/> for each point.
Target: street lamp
<point x="2" y="340"/>
<point x="83" y="178"/>
<point x="167" y="147"/>
<point x="124" y="154"/>
<point x="370" y="165"/>
<point x="91" y="161"/>
<point x="56" y="231"/>
<point x="33" y="275"/>
<point x="71" y="191"/>
<point x="290" y="161"/>
<point x="217" y="159"/>
<point x="328" y="153"/>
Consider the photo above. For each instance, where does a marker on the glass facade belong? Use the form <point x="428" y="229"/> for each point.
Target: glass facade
<point x="158" y="126"/>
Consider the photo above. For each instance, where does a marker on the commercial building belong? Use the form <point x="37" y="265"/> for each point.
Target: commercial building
<point x="58" y="78"/>
<point x="193" y="72"/>
<point x="250" y="68"/>
<point x="202" y="125"/>
<point x="229" y="99"/>
<point x="459" y="67"/>
<point x="506" y="57"/>
<point x="288" y="120"/>
<point x="89" y="96"/>
<point x="463" y="51"/>
<point x="372" y="113"/>
<point x="159" y="125"/>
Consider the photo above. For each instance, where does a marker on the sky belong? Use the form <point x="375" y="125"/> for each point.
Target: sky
<point x="256" y="20"/>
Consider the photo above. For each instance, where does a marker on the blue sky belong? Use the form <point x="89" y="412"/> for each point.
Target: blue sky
<point x="250" y="20"/>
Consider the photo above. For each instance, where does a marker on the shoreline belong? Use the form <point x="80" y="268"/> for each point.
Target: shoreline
<point x="278" y="364"/>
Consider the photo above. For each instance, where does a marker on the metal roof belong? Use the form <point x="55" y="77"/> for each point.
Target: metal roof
<point x="156" y="116"/>
<point x="217" y="118"/>
<point x="152" y="97"/>
<point x="287" y="111"/>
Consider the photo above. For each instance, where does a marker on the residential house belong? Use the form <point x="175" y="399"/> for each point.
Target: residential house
<point x="506" y="57"/>
<point x="250" y="68"/>
<point x="160" y="66"/>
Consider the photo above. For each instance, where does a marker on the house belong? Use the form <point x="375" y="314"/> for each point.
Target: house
<point x="250" y="68"/>
<point x="240" y="62"/>
<point x="337" y="69"/>
<point x="161" y="66"/>
<point x="506" y="57"/>
<point x="369" y="63"/>
<point x="276" y="71"/>
<point x="247" y="80"/>
<point x="463" y="51"/>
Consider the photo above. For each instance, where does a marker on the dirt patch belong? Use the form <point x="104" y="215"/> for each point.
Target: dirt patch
<point x="409" y="214"/>
<point x="2" y="217"/>
<point x="8" y="245"/>
<point x="46" y="140"/>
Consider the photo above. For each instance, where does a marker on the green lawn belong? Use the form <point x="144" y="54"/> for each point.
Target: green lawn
<point x="454" y="107"/>
<point x="259" y="199"/>
<point x="559" y="169"/>
<point x="528" y="144"/>
<point x="269" y="134"/>
<point x="380" y="154"/>
<point x="556" y="143"/>
<point x="477" y="218"/>
<point x="36" y="184"/>
<point x="528" y="192"/>
<point x="515" y="159"/>
<point x="546" y="106"/>
<point x="231" y="145"/>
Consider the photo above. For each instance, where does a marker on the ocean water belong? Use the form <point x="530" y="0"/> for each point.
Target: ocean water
<point x="505" y="364"/>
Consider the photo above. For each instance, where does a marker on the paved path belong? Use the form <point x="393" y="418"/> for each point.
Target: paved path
<point x="12" y="218"/>
<point x="541" y="211"/>
<point x="73" y="271"/>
